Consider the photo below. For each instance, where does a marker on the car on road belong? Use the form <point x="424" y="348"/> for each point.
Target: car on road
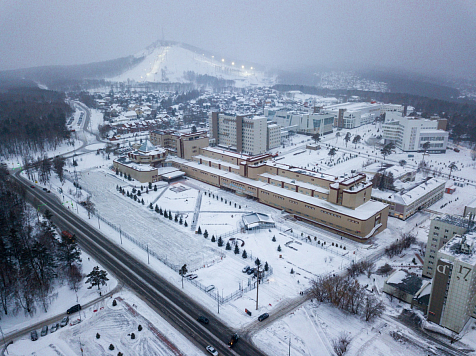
<point x="45" y="189"/>
<point x="54" y="327"/>
<point x="65" y="321"/>
<point x="74" y="309"/>
<point x="34" y="335"/>
<point x="263" y="316"/>
<point x="44" y="330"/>
<point x="203" y="319"/>
<point x="234" y="339"/>
<point x="211" y="350"/>
<point x="192" y="276"/>
<point x="32" y="186"/>
<point x="246" y="269"/>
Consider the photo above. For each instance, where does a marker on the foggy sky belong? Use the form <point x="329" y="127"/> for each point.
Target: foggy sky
<point x="427" y="36"/>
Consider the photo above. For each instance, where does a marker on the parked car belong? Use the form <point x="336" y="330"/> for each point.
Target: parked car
<point x="234" y="338"/>
<point x="250" y="271"/>
<point x="45" y="189"/>
<point x="75" y="322"/>
<point x="32" y="186"/>
<point x="34" y="335"/>
<point x="263" y="316"/>
<point x="209" y="288"/>
<point x="54" y="327"/>
<point x="211" y="350"/>
<point x="65" y="321"/>
<point x="74" y="309"/>
<point x="192" y="276"/>
<point x="44" y="330"/>
<point x="246" y="269"/>
<point x="203" y="319"/>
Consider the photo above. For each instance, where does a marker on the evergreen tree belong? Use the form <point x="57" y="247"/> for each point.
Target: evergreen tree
<point x="220" y="241"/>
<point x="155" y="187"/>
<point x="97" y="277"/>
<point x="199" y="230"/>
<point x="117" y="171"/>
<point x="205" y="234"/>
<point x="185" y="223"/>
<point x="134" y="190"/>
<point x="266" y="266"/>
<point x="176" y="218"/>
<point x="151" y="207"/>
<point x="68" y="251"/>
<point x="279" y="248"/>
<point x="150" y="185"/>
<point x="180" y="220"/>
<point x="244" y="254"/>
<point x="228" y="246"/>
<point x="213" y="238"/>
<point x="139" y="193"/>
<point x="156" y="208"/>
<point x="237" y="249"/>
<point x="129" y="177"/>
<point x="135" y="197"/>
<point x="128" y="195"/>
<point x="292" y="271"/>
<point x="170" y="215"/>
<point x="161" y="212"/>
<point x="274" y="238"/>
<point x="166" y="215"/>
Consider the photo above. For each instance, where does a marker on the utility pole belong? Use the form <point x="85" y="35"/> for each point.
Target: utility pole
<point x="289" y="353"/>
<point x="218" y="301"/>
<point x="148" y="261"/>
<point x="257" y="289"/>
<point x="3" y="337"/>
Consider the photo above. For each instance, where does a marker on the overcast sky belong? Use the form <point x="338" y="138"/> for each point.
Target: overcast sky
<point x="430" y="36"/>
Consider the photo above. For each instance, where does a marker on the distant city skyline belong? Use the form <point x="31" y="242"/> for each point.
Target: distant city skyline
<point x="428" y="37"/>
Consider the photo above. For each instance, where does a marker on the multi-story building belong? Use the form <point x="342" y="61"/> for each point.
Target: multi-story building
<point x="341" y="205"/>
<point x="453" y="294"/>
<point x="241" y="133"/>
<point x="442" y="229"/>
<point x="183" y="145"/>
<point x="307" y="123"/>
<point x="410" y="133"/>
<point x="407" y="202"/>
<point x="274" y="136"/>
<point x="350" y="115"/>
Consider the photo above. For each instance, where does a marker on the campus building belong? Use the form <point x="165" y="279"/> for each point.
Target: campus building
<point x="306" y="123"/>
<point x="406" y="202"/>
<point x="442" y="229"/>
<point x="341" y="205"/>
<point x="351" y="115"/>
<point x="246" y="134"/>
<point x="453" y="295"/>
<point x="410" y="133"/>
<point x="183" y="145"/>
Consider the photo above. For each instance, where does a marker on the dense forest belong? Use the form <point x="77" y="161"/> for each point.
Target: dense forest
<point x="32" y="120"/>
<point x="32" y="257"/>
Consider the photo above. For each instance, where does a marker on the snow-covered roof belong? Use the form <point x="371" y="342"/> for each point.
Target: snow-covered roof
<point x="295" y="182"/>
<point x="408" y="197"/>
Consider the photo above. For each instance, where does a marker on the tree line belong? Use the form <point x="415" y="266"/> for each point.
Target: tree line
<point x="32" y="120"/>
<point x="33" y="258"/>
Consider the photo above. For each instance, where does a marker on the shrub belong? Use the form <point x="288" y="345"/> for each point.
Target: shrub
<point x="114" y="303"/>
<point x="139" y="327"/>
<point x="133" y="336"/>
<point x="111" y="347"/>
<point x="98" y="336"/>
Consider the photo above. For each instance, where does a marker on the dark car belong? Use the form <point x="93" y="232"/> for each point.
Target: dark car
<point x="65" y="321"/>
<point x="263" y="316"/>
<point x="203" y="319"/>
<point x="34" y="335"/>
<point x="233" y="340"/>
<point x="250" y="271"/>
<point x="45" y="189"/>
<point x="44" y="330"/>
<point x="74" y="309"/>
<point x="246" y="269"/>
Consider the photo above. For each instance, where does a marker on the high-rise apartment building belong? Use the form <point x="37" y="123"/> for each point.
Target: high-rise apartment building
<point x="453" y="294"/>
<point x="242" y="133"/>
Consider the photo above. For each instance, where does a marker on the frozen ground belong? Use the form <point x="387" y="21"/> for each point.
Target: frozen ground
<point x="114" y="324"/>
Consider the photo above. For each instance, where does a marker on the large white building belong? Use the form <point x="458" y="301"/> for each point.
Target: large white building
<point x="301" y="122"/>
<point x="410" y="133"/>
<point x="247" y="134"/>
<point x="351" y="115"/>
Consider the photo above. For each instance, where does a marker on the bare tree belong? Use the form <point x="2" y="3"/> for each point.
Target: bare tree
<point x="372" y="308"/>
<point x="452" y="166"/>
<point x="90" y="207"/>
<point x="347" y="138"/>
<point x="341" y="344"/>
<point x="356" y="140"/>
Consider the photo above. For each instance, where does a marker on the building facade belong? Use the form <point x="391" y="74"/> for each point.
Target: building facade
<point x="442" y="229"/>
<point x="341" y="205"/>
<point x="453" y="295"/>
<point x="410" y="134"/>
<point x="183" y="145"/>
<point x="300" y="122"/>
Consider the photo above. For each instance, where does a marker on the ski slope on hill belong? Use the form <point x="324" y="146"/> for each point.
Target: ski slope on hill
<point x="167" y="63"/>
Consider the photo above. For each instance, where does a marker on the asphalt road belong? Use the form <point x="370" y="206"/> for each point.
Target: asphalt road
<point x="177" y="308"/>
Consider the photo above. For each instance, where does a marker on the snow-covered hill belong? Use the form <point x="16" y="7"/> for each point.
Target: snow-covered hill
<point x="170" y="62"/>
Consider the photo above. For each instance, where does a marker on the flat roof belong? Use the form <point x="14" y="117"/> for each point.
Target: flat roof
<point x="295" y="182"/>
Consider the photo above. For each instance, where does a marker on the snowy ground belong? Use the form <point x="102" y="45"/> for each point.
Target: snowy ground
<point x="114" y="324"/>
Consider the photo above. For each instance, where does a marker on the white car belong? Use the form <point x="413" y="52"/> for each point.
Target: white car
<point x="211" y="350"/>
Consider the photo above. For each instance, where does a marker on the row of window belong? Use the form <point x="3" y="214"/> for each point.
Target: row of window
<point x="332" y="214"/>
